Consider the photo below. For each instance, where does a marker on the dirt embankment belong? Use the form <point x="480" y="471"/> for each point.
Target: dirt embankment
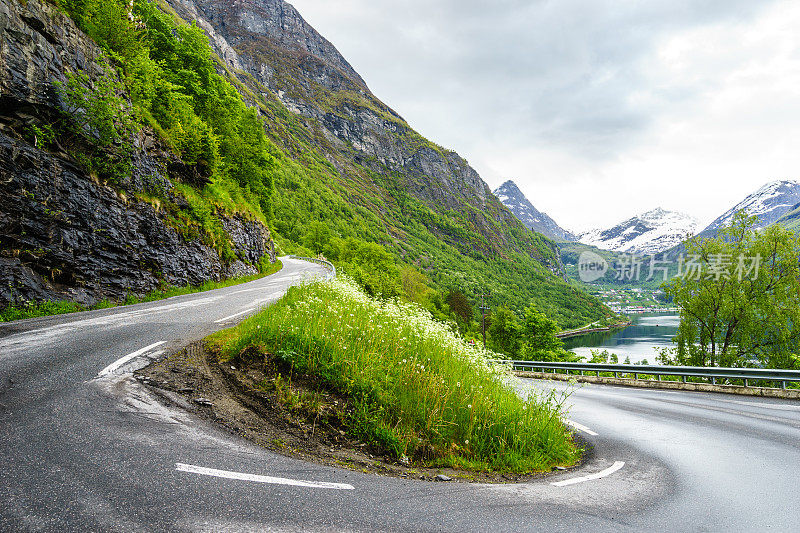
<point x="289" y="413"/>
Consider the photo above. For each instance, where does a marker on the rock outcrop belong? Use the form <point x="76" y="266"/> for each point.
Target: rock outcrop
<point x="518" y="203"/>
<point x="285" y="59"/>
<point x="63" y="235"/>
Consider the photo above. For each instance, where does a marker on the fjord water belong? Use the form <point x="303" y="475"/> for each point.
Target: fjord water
<point x="637" y="341"/>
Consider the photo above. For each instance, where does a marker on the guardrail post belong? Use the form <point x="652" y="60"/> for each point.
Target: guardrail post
<point x="746" y="382"/>
<point x="684" y="379"/>
<point x="713" y="380"/>
<point x="783" y="385"/>
<point x="658" y="377"/>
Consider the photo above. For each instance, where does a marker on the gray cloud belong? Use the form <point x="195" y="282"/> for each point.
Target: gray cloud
<point x="520" y="72"/>
<point x="513" y="79"/>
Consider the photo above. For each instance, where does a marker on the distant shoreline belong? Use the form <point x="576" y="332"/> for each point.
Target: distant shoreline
<point x="585" y="331"/>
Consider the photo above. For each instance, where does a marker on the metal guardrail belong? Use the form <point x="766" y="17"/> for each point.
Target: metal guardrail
<point x="319" y="261"/>
<point x="711" y="373"/>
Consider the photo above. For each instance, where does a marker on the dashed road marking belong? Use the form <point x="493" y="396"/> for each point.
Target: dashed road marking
<point x="579" y="427"/>
<point x="26" y="339"/>
<point x="221" y="320"/>
<point x="181" y="467"/>
<point x="603" y="473"/>
<point x="122" y="360"/>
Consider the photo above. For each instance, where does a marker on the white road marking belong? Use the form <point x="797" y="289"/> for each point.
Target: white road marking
<point x="122" y="360"/>
<point x="52" y="333"/>
<point x="221" y="320"/>
<point x="580" y="427"/>
<point x="603" y="473"/>
<point x="261" y="479"/>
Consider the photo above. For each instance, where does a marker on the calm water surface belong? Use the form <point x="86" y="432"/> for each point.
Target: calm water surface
<point x="638" y="341"/>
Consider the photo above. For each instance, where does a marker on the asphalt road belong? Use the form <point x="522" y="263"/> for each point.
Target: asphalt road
<point x="80" y="451"/>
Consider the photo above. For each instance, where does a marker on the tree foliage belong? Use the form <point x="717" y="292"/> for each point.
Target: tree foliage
<point x="170" y="73"/>
<point x="739" y="298"/>
<point x="504" y="332"/>
<point x="539" y="336"/>
<point x="460" y="305"/>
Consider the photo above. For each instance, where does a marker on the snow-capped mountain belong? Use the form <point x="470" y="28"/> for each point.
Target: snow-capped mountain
<point x="516" y="202"/>
<point x="652" y="232"/>
<point x="769" y="203"/>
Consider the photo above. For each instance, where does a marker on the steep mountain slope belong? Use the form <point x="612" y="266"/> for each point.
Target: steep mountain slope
<point x="63" y="233"/>
<point x="366" y="173"/>
<point x="511" y="197"/>
<point x="279" y="57"/>
<point x="341" y="163"/>
<point x="652" y="232"/>
<point x="791" y="219"/>
<point x="769" y="203"/>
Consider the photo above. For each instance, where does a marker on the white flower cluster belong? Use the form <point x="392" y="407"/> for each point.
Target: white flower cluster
<point x="415" y="320"/>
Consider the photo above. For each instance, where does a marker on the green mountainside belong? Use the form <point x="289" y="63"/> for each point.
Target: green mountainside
<point x="791" y="220"/>
<point x="267" y="120"/>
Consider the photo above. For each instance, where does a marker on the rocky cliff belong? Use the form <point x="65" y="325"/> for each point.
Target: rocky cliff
<point x="63" y="234"/>
<point x="280" y="58"/>
<point x="518" y="203"/>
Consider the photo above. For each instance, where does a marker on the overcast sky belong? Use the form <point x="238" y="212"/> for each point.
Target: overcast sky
<point x="599" y="110"/>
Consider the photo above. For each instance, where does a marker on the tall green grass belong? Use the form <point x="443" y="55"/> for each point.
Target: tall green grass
<point x="415" y="387"/>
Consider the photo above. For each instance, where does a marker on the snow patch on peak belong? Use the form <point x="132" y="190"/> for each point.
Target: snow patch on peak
<point x="516" y="202"/>
<point x="652" y="232"/>
<point x="769" y="203"/>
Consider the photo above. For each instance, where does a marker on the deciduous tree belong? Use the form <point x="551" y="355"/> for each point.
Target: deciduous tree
<point x="740" y="301"/>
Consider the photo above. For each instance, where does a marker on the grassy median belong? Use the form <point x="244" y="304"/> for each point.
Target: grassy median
<point x="415" y="389"/>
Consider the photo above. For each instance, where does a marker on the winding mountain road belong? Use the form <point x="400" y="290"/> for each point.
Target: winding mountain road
<point x="84" y="447"/>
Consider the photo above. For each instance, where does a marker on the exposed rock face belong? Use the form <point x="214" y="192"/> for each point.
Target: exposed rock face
<point x="650" y="233"/>
<point x="38" y="44"/>
<point x="275" y="20"/>
<point x="62" y="235"/>
<point x="518" y="203"/>
<point x="290" y="61"/>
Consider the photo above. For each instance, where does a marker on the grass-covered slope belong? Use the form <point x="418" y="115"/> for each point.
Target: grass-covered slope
<point x="791" y="220"/>
<point x="414" y="388"/>
<point x="355" y="165"/>
<point x="240" y="148"/>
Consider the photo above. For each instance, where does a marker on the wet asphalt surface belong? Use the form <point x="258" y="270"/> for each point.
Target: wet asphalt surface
<point x="86" y="453"/>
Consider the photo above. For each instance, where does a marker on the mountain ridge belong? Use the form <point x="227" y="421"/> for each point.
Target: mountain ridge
<point x="516" y="201"/>
<point x="769" y="203"/>
<point x="651" y="232"/>
<point x="344" y="164"/>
